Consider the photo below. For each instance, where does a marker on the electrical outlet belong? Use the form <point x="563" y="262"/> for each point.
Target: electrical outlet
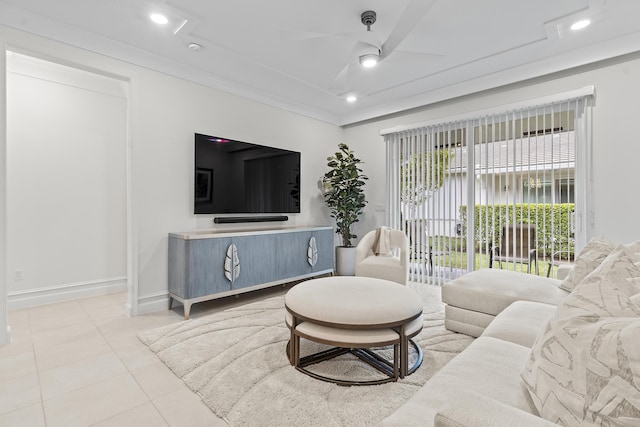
<point x="17" y="275"/>
<point x="379" y="208"/>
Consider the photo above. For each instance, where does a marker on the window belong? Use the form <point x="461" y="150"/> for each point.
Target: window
<point x="536" y="191"/>
<point x="565" y="191"/>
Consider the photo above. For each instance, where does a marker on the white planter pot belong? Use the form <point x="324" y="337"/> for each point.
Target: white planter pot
<point x="345" y="261"/>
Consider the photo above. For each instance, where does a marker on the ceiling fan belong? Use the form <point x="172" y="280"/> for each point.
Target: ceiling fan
<point x="370" y="50"/>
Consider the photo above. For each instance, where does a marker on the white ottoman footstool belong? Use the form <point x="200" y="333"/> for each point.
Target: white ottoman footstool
<point x="354" y="314"/>
<point x="473" y="300"/>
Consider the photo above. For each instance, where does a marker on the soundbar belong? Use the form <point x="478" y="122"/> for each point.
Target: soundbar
<point x="236" y="219"/>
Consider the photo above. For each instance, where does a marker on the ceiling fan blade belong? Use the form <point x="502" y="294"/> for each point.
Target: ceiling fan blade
<point x="370" y="37"/>
<point x="339" y="83"/>
<point x="301" y="35"/>
<point x="412" y="14"/>
<point x="341" y="80"/>
<point x="407" y="57"/>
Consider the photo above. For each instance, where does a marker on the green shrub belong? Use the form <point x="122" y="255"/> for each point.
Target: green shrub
<point x="553" y="224"/>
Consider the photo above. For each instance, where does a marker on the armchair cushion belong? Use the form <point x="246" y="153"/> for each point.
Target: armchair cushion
<point x="386" y="267"/>
<point x="394" y="266"/>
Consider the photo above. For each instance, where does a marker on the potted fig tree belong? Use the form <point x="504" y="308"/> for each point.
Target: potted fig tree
<point x="343" y="187"/>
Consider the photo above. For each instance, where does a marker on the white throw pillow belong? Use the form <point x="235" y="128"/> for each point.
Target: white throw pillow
<point x="588" y="260"/>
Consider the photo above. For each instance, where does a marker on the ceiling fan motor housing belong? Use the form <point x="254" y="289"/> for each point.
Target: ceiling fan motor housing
<point x="368" y="18"/>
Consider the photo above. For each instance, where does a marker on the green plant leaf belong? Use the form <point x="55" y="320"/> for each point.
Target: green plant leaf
<point x="343" y="191"/>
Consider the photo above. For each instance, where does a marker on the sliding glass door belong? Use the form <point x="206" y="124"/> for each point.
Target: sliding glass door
<point x="491" y="191"/>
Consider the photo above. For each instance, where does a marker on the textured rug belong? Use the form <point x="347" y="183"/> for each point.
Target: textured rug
<point x="236" y="361"/>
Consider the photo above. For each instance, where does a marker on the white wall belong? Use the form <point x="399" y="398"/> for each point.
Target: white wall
<point x="66" y="186"/>
<point x="615" y="147"/>
<point x="5" y="330"/>
<point x="164" y="114"/>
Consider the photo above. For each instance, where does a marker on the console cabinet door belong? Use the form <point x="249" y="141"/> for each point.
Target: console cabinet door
<point x="326" y="249"/>
<point x="292" y="254"/>
<point x="296" y="252"/>
<point x="196" y="267"/>
<point x="206" y="266"/>
<point x="257" y="256"/>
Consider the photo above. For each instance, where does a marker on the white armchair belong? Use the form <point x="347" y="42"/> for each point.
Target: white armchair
<point x="389" y="267"/>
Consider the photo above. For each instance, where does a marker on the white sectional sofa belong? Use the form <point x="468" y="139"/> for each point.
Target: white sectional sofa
<point x="533" y="363"/>
<point x="473" y="301"/>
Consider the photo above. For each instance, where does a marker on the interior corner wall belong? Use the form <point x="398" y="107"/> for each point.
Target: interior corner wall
<point x="615" y="149"/>
<point x="66" y="182"/>
<point x="4" y="323"/>
<point x="164" y="114"/>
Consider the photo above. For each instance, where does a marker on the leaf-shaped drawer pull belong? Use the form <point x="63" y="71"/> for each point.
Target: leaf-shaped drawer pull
<point x="232" y="264"/>
<point x="312" y="252"/>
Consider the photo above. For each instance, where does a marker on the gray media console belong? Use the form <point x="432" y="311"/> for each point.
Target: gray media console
<point x="205" y="265"/>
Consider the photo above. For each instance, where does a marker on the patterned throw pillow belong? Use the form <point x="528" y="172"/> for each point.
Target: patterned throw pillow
<point x="599" y="294"/>
<point x="584" y="368"/>
<point x="588" y="260"/>
<point x="584" y="371"/>
<point x="635" y="282"/>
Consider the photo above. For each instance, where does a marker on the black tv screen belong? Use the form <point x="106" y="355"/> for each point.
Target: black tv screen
<point x="235" y="177"/>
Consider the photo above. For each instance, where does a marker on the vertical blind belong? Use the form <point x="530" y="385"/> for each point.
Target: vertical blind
<point x="504" y="189"/>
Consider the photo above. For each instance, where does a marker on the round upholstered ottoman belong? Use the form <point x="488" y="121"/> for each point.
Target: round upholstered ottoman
<point x="354" y="314"/>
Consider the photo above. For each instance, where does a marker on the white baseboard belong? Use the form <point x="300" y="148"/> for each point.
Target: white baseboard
<point x="40" y="296"/>
<point x="5" y="336"/>
<point x="152" y="303"/>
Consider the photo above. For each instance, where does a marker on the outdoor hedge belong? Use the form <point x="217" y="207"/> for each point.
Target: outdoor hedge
<point x="553" y="224"/>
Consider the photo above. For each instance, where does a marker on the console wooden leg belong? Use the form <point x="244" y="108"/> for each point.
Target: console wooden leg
<point x="187" y="309"/>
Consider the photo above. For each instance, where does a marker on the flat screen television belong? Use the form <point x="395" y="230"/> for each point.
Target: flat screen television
<point x="235" y="177"/>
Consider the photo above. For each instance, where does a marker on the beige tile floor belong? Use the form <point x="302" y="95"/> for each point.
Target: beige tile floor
<point x="80" y="363"/>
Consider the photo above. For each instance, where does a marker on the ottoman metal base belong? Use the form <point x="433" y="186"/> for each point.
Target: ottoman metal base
<point x="366" y="355"/>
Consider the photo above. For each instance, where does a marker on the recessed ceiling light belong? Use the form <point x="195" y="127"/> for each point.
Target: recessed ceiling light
<point x="351" y="98"/>
<point x="580" y="24"/>
<point x="159" y="18"/>
<point x="196" y="47"/>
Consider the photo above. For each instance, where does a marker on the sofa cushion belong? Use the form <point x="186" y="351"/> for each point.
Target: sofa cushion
<point x="492" y="290"/>
<point x="521" y="322"/>
<point x="588" y="260"/>
<point x="479" y="410"/>
<point x="488" y="366"/>
<point x="466" y="322"/>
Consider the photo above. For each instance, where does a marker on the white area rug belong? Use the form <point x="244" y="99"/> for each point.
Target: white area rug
<point x="236" y="361"/>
